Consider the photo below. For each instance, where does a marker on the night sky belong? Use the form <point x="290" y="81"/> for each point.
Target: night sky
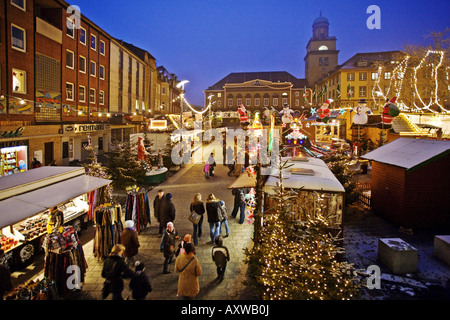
<point x="204" y="40"/>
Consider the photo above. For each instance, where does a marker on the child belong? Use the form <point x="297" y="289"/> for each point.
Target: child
<point x="206" y="170"/>
<point x="140" y="284"/>
<point x="220" y="256"/>
<point x="225" y="219"/>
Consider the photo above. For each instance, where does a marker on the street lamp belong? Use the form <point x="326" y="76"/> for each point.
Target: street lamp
<point x="181" y="85"/>
<point x="210" y="107"/>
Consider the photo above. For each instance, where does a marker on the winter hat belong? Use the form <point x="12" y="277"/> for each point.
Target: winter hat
<point x="129" y="224"/>
<point x="222" y="202"/>
<point x="169" y="196"/>
<point x="169" y="224"/>
<point x="139" y="266"/>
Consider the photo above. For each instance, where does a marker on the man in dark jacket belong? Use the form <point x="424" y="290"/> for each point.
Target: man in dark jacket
<point x="157" y="204"/>
<point x="140" y="283"/>
<point x="169" y="246"/>
<point x="5" y="278"/>
<point x="168" y="209"/>
<point x="239" y="203"/>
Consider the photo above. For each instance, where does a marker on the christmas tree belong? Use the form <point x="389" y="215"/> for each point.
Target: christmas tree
<point x="95" y="169"/>
<point x="124" y="167"/>
<point x="297" y="260"/>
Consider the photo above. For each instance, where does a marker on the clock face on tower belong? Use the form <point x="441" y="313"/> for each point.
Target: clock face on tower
<point x="323" y="61"/>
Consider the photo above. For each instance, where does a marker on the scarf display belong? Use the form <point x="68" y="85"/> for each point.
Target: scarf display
<point x="108" y="227"/>
<point x="138" y="209"/>
<point x="95" y="198"/>
<point x="44" y="289"/>
<point x="61" y="251"/>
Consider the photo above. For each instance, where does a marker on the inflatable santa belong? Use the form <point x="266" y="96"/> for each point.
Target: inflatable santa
<point x="243" y="114"/>
<point x="390" y="111"/>
<point x="361" y="112"/>
<point x="141" y="149"/>
<point x="324" y="112"/>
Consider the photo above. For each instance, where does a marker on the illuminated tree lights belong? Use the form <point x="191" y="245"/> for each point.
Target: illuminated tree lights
<point x="296" y="260"/>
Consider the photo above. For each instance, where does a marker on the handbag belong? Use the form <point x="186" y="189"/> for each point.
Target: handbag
<point x="194" y="217"/>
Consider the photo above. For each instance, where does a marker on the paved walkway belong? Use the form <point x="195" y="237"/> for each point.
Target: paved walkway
<point x="183" y="185"/>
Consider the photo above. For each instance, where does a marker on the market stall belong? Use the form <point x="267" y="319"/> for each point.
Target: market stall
<point x="318" y="190"/>
<point x="26" y="200"/>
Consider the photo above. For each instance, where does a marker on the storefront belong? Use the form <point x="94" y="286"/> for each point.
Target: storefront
<point x="75" y="139"/>
<point x="25" y="203"/>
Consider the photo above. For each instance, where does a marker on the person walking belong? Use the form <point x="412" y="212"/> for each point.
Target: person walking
<point x="181" y="247"/>
<point x="168" y="209"/>
<point x="198" y="206"/>
<point x="206" y="170"/>
<point x="114" y="270"/>
<point x="239" y="203"/>
<point x="212" y="164"/>
<point x="220" y="256"/>
<point x="224" y="221"/>
<point x="129" y="238"/>
<point x="214" y="216"/>
<point x="190" y="270"/>
<point x="157" y="204"/>
<point x="169" y="239"/>
<point x="5" y="277"/>
<point x="140" y="283"/>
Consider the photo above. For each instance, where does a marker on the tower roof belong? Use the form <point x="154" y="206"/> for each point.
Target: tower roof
<point x="321" y="19"/>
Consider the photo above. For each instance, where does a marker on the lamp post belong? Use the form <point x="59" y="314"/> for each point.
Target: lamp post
<point x="181" y="85"/>
<point x="210" y="111"/>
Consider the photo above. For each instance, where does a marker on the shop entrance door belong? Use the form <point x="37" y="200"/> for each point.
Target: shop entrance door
<point x="48" y="153"/>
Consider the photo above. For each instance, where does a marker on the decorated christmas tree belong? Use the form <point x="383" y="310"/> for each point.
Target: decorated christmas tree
<point x="297" y="260"/>
<point x="95" y="169"/>
<point x="124" y="167"/>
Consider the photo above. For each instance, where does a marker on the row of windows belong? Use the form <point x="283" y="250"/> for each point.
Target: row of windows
<point x="363" y="76"/>
<point x="82" y="37"/>
<point x="82" y="94"/>
<point x="248" y="102"/>
<point x="70" y="63"/>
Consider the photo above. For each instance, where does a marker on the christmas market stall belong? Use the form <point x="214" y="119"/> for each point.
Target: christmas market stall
<point x="317" y="190"/>
<point x="37" y="204"/>
<point x="247" y="182"/>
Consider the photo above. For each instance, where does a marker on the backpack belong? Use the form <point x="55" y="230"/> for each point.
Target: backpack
<point x="219" y="258"/>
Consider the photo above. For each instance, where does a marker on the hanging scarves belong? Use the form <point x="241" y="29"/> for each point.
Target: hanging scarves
<point x="108" y="227"/>
<point x="138" y="209"/>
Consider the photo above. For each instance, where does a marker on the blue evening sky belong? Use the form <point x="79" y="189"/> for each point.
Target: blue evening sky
<point x="204" y="40"/>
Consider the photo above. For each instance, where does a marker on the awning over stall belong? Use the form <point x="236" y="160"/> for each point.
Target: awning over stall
<point x="23" y="205"/>
<point x="305" y="173"/>
<point x="243" y="181"/>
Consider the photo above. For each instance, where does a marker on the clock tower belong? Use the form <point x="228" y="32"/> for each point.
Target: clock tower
<point x="321" y="54"/>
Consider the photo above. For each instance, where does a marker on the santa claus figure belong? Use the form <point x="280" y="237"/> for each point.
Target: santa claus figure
<point x="243" y="114"/>
<point x="324" y="112"/>
<point x="286" y="114"/>
<point x="361" y="112"/>
<point x="141" y="149"/>
<point x="390" y="111"/>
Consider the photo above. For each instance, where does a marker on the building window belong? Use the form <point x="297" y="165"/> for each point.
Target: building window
<point x="219" y="95"/>
<point x="101" y="97"/>
<point x="163" y="90"/>
<point x="102" y="47"/>
<point x="350" y="77"/>
<point x="219" y="103"/>
<point x="297" y="93"/>
<point x="284" y="101"/>
<point x="18" y="38"/>
<point x="256" y="102"/>
<point x="362" y="91"/>
<point x="92" y="96"/>
<point x="69" y="91"/>
<point x="239" y="101"/>
<point x="275" y="102"/>
<point x="248" y="102"/>
<point x="19" y="4"/>
<point x="93" y="69"/>
<point x="82" y="94"/>
<point x="362" y="76"/>
<point x="266" y="102"/>
<point x="19" y="81"/>
<point x="69" y="59"/>
<point x="297" y="102"/>
<point x="374" y="75"/>
<point x="82" y="64"/>
<point x="70" y="27"/>
<point x="83" y="35"/>
<point x="102" y="72"/>
<point x="230" y="102"/>
<point x="93" y="42"/>
<point x="387" y="75"/>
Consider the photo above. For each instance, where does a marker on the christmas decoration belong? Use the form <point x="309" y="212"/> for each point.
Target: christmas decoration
<point x="390" y="111"/>
<point x="324" y="112"/>
<point x="243" y="114"/>
<point x="286" y="115"/>
<point x="361" y="111"/>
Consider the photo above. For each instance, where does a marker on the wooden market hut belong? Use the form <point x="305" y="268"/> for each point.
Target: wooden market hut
<point x="410" y="182"/>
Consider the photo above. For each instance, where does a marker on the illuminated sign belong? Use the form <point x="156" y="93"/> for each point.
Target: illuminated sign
<point x="158" y="124"/>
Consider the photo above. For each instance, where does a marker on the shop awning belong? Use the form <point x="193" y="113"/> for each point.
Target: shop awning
<point x="22" y="206"/>
<point x="243" y="181"/>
